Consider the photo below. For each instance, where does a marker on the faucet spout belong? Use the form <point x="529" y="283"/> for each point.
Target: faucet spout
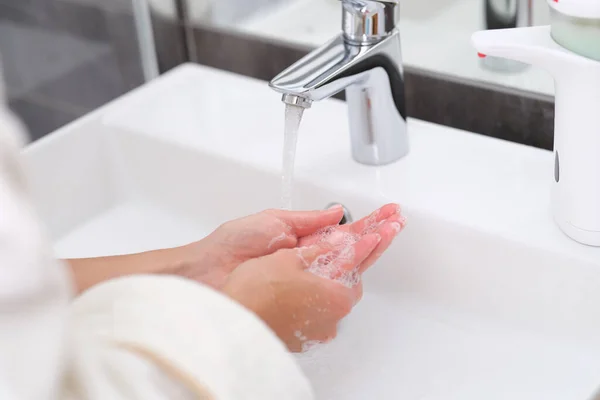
<point x="320" y="74"/>
<point x="368" y="66"/>
<point x="295" y="100"/>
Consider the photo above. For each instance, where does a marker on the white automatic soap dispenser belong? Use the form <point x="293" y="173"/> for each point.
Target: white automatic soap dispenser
<point x="569" y="49"/>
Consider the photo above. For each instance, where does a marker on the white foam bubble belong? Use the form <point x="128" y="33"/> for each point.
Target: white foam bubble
<point x="335" y="237"/>
<point x="333" y="264"/>
<point x="372" y="228"/>
<point x="311" y="344"/>
<point x="300" y="336"/>
<point x="324" y="233"/>
<point x="371" y="219"/>
<point x="277" y="239"/>
<point x="301" y="257"/>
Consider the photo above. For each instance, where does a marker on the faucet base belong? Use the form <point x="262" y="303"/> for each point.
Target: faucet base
<point x="377" y="129"/>
<point x="589" y="238"/>
<point x="565" y="214"/>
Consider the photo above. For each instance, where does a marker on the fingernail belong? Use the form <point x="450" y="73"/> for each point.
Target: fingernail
<point x="398" y="209"/>
<point x="335" y="207"/>
<point x="402" y="221"/>
<point x="396" y="226"/>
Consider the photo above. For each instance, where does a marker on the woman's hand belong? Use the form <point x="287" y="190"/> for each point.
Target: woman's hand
<point x="211" y="260"/>
<point x="284" y="290"/>
<point x="235" y="242"/>
<point x="386" y="221"/>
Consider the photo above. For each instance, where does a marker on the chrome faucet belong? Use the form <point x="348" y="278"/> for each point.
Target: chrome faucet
<point x="366" y="61"/>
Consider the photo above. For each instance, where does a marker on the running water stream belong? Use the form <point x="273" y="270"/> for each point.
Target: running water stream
<point x="293" y="117"/>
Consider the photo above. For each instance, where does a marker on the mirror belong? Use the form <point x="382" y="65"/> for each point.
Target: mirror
<point x="435" y="33"/>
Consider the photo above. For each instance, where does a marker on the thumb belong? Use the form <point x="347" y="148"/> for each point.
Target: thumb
<point x="304" y="223"/>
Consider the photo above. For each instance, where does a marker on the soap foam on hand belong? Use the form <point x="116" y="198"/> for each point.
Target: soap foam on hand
<point x="332" y="265"/>
<point x="277" y="239"/>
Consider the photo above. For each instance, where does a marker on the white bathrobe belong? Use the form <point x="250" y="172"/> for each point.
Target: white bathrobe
<point x="145" y="337"/>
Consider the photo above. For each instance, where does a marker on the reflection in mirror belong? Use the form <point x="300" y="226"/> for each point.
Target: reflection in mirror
<point x="436" y="34"/>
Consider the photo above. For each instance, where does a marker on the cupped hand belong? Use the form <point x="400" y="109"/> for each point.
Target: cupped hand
<point x="301" y="307"/>
<point x="211" y="260"/>
<point x="386" y="221"/>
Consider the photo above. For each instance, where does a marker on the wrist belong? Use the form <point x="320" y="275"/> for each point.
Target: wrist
<point x="195" y="261"/>
<point x="89" y="272"/>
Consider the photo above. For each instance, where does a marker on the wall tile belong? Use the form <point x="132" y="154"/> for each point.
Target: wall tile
<point x="123" y="41"/>
<point x="40" y="119"/>
<point x="244" y="54"/>
<point x="493" y="111"/>
<point x="88" y="86"/>
<point x="109" y="5"/>
<point x="170" y="40"/>
<point x="55" y="15"/>
<point x="71" y="55"/>
<point x="35" y="56"/>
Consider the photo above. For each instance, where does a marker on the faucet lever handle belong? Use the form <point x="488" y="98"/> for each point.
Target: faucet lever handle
<point x="369" y="21"/>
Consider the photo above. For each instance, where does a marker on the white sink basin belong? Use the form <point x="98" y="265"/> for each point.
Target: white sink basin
<point x="481" y="297"/>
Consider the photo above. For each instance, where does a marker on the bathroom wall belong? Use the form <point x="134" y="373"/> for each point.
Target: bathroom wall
<point x="64" y="58"/>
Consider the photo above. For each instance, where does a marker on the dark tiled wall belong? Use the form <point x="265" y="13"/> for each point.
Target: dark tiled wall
<point x="64" y="58"/>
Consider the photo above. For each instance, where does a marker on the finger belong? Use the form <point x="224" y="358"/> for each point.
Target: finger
<point x="366" y="225"/>
<point x="305" y="223"/>
<point x="283" y="241"/>
<point x="388" y="232"/>
<point x="342" y="265"/>
<point x="357" y="293"/>
<point x="330" y="234"/>
<point x="309" y="240"/>
<point x="361" y="251"/>
<point x="306" y="256"/>
<point x="369" y="224"/>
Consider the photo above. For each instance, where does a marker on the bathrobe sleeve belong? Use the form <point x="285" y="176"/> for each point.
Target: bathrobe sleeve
<point x="143" y="337"/>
